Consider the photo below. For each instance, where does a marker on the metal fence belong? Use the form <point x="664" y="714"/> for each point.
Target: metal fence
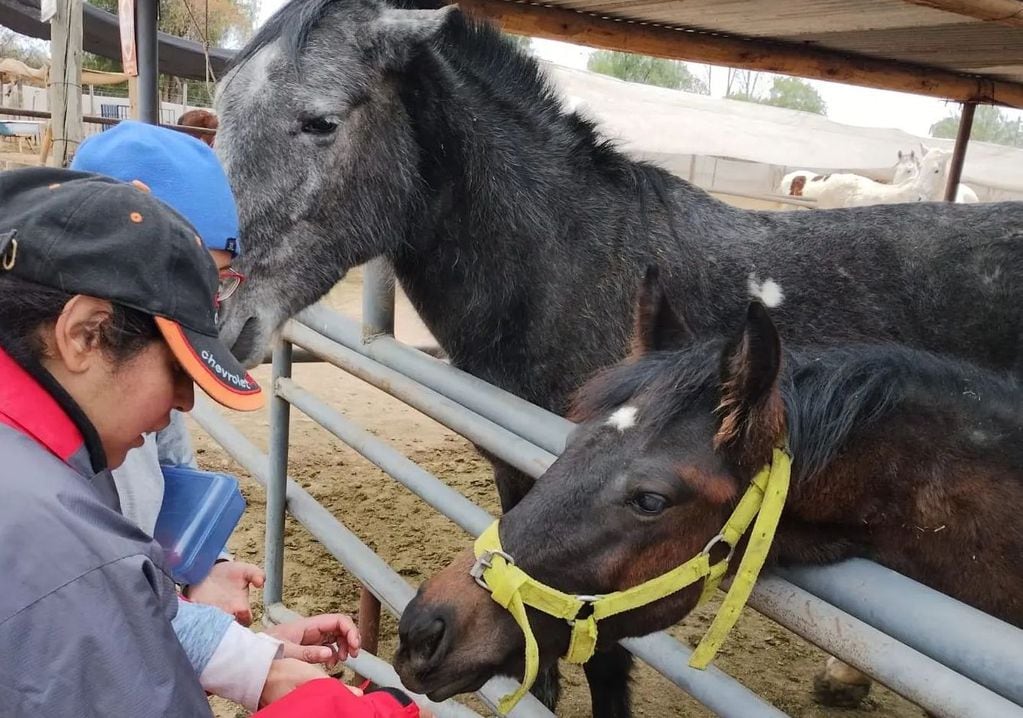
<point x="937" y="652"/>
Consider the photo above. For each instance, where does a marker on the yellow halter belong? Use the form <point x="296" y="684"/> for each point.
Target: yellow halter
<point x="513" y="589"/>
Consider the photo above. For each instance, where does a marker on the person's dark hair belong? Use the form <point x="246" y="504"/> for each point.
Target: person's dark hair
<point x="26" y="307"/>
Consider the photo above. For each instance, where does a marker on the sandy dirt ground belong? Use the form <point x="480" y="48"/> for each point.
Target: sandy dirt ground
<point x="417" y="541"/>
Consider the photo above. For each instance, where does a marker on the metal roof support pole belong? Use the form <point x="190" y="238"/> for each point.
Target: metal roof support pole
<point x="955" y="169"/>
<point x="146" y="14"/>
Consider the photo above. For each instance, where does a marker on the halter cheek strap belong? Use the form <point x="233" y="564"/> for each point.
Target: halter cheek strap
<point x="513" y="589"/>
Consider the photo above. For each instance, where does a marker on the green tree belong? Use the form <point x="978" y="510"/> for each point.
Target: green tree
<point x="990" y="124"/>
<point x="795" y="94"/>
<point x="646" y="70"/>
<point x="208" y="22"/>
<point x="789" y="92"/>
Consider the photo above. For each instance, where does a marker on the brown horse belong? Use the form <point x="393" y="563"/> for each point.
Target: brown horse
<point x="200" y="118"/>
<point x="901" y="456"/>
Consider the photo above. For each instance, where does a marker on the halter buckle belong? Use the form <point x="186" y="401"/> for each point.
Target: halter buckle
<point x="483" y="562"/>
<point x="720" y="538"/>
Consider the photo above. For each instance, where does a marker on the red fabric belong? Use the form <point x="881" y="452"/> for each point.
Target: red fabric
<point x="27" y="407"/>
<point x="328" y="698"/>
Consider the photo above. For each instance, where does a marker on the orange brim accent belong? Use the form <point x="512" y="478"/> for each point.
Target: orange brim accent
<point x="200" y="372"/>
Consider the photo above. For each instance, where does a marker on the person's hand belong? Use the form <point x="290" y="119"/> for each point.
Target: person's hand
<point x="287" y="674"/>
<point x="227" y="588"/>
<point x="311" y="639"/>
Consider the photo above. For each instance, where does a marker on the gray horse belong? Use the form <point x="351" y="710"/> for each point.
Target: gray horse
<point x="354" y="129"/>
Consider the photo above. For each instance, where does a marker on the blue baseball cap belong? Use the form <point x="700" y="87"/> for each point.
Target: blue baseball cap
<point x="178" y="169"/>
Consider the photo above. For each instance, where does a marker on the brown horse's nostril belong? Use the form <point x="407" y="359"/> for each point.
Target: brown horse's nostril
<point x="430" y="638"/>
<point x="424" y="636"/>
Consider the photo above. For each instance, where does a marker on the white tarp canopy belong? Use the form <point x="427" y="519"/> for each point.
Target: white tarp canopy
<point x="663" y="124"/>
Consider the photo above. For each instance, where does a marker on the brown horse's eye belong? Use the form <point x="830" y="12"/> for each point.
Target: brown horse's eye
<point x="648" y="503"/>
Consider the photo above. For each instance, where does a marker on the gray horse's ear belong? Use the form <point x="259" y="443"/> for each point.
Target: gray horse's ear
<point x="401" y="30"/>
<point x="657" y="325"/>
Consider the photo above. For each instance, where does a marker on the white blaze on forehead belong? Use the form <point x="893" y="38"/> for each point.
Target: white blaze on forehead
<point x="623" y="418"/>
<point x="257" y="68"/>
<point x="769" y="292"/>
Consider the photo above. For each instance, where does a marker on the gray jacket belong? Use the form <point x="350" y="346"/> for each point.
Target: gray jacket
<point x="85" y="610"/>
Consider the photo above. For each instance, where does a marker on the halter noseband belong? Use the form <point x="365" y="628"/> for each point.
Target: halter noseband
<point x="513" y="589"/>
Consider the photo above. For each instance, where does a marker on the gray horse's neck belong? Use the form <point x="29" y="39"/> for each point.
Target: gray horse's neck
<point x="527" y="213"/>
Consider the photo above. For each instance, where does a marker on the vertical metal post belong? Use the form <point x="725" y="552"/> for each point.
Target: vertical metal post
<point x="277" y="481"/>
<point x="377" y="298"/>
<point x="369" y="623"/>
<point x="146" y="14"/>
<point x="955" y="168"/>
<point x="377" y="319"/>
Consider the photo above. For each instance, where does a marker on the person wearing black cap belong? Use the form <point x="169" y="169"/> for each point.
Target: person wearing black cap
<point x="107" y="317"/>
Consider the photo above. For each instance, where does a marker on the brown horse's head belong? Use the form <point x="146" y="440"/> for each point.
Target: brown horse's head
<point x="665" y="444"/>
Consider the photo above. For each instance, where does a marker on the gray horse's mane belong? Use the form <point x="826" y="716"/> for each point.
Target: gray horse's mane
<point x="291" y="24"/>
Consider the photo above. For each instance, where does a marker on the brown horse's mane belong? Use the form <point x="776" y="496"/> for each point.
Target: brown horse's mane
<point x="828" y="393"/>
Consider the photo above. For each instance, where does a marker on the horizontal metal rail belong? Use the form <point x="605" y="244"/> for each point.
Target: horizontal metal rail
<point x="922" y="680"/>
<point x="503" y="408"/>
<point x="975" y="644"/>
<point x="392" y="590"/>
<point x="440" y="496"/>
<point x="520" y="453"/>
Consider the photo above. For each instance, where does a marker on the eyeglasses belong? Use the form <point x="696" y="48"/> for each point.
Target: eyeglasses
<point x="230" y="280"/>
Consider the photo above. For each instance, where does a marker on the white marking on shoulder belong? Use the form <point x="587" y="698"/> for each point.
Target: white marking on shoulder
<point x="769" y="292"/>
<point x="623" y="418"/>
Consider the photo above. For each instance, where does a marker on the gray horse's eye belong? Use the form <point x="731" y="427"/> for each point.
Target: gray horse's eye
<point x="320" y="125"/>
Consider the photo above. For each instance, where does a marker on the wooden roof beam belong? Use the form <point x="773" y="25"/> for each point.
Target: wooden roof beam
<point x="611" y="33"/>
<point x="1005" y="12"/>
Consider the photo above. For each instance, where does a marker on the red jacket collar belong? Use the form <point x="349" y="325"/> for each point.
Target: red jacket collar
<point x="29" y="408"/>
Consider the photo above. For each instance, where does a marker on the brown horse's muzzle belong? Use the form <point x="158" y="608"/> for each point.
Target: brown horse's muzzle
<point x="453" y="637"/>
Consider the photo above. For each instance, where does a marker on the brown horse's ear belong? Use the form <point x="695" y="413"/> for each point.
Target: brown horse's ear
<point x="751" y="410"/>
<point x="657" y="326"/>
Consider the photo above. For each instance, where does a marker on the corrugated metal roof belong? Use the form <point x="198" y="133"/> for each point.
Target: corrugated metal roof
<point x="912" y="34"/>
<point x="886" y="29"/>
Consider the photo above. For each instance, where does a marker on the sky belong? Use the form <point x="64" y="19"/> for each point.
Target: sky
<point x="850" y="105"/>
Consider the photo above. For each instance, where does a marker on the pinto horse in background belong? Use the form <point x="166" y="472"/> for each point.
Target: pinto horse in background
<point x="898" y="455"/>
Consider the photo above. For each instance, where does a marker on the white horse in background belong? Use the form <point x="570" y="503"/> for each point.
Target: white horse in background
<point x="909" y="166"/>
<point x="851" y="190"/>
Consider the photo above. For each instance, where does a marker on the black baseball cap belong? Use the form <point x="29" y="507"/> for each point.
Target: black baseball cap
<point x="84" y="233"/>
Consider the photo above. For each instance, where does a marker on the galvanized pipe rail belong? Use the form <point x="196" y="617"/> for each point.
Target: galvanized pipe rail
<point x="392" y="353"/>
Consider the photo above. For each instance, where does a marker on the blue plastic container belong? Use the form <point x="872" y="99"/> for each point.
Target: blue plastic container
<point x="200" y="510"/>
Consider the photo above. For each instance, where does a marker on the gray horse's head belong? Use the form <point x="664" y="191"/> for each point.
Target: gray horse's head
<point x="319" y="151"/>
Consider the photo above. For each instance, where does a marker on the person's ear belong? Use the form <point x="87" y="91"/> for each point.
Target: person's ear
<point x="77" y="337"/>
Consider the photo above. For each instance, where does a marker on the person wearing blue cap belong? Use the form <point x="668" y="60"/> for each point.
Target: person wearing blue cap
<point x="186" y="175"/>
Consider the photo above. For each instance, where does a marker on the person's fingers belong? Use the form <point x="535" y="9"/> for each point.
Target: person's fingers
<point x="254" y="575"/>
<point x="307" y="654"/>
<point x="353" y="689"/>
